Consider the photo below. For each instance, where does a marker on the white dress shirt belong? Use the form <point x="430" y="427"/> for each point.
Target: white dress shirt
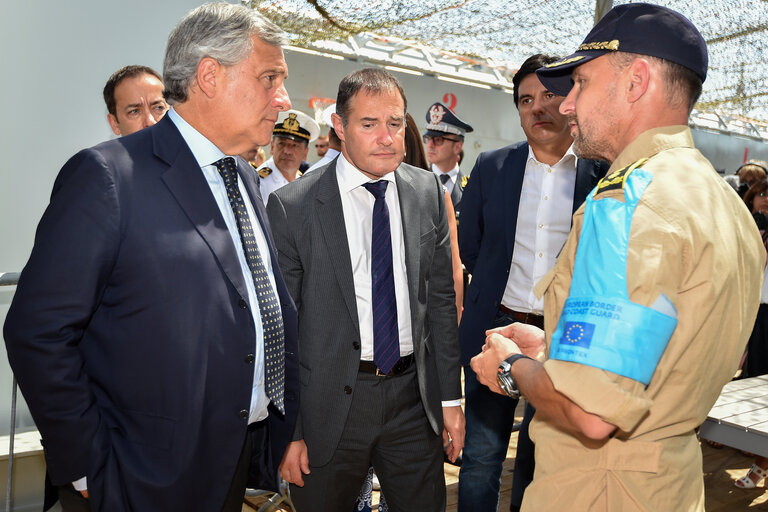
<point x="452" y="174"/>
<point x="329" y="155"/>
<point x="206" y="153"/>
<point x="543" y="224"/>
<point x="273" y="181"/>
<point x="357" y="204"/>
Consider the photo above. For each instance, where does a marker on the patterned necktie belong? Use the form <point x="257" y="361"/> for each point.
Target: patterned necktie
<point x="444" y="178"/>
<point x="386" y="342"/>
<point x="271" y="317"/>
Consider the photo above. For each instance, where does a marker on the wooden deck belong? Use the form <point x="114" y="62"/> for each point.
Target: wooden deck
<point x="722" y="467"/>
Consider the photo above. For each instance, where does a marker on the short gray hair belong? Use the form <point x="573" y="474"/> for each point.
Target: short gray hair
<point x="221" y="31"/>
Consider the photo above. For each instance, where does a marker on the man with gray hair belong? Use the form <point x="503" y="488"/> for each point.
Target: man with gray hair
<point x="152" y="333"/>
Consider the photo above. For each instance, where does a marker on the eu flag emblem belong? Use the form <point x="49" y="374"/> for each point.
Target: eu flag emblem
<point x="577" y="334"/>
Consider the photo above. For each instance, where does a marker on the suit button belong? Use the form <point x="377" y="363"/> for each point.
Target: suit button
<point x="242" y="304"/>
<point x="243" y="414"/>
<point x="356" y="345"/>
<point x="250" y="358"/>
<point x="348" y="390"/>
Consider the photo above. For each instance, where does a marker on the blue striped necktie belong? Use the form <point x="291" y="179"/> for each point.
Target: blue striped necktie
<point x="269" y="308"/>
<point x="386" y="343"/>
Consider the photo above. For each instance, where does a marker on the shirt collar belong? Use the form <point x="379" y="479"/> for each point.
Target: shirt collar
<point x="452" y="173"/>
<point x="204" y="151"/>
<point x="350" y="177"/>
<point x="651" y="142"/>
<point x="568" y="157"/>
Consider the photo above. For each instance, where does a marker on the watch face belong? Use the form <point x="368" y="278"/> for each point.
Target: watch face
<point x="507" y="384"/>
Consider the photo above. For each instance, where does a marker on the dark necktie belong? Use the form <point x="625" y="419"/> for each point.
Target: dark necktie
<point x="444" y="178"/>
<point x="271" y="318"/>
<point x="386" y="342"/>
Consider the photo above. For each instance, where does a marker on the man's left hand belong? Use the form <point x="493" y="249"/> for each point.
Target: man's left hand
<point x="453" y="431"/>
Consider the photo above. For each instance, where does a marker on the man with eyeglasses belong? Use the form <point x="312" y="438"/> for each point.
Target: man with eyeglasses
<point x="516" y="215"/>
<point x="444" y="141"/>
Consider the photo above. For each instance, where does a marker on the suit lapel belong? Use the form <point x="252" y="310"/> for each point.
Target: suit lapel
<point x="512" y="174"/>
<point x="186" y="182"/>
<point x="410" y="215"/>
<point x="586" y="179"/>
<point x="330" y="214"/>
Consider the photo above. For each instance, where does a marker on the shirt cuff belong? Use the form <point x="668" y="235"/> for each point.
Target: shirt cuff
<point x="80" y="484"/>
<point x="452" y="403"/>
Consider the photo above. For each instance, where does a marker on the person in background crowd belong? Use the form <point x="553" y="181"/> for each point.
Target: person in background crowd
<point x="444" y="142"/>
<point x="650" y="303"/>
<point x="322" y="145"/>
<point x="134" y="99"/>
<point x="334" y="144"/>
<point x="749" y="174"/>
<point x="293" y="132"/>
<point x="255" y="157"/>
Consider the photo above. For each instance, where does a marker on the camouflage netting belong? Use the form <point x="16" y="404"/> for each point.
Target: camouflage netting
<point x="508" y="32"/>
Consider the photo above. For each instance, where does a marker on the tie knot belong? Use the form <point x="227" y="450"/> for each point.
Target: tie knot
<point x="227" y="168"/>
<point x="444" y="178"/>
<point x="377" y="188"/>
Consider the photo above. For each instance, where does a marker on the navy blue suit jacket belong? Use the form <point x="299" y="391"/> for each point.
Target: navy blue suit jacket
<point x="489" y="207"/>
<point x="130" y="331"/>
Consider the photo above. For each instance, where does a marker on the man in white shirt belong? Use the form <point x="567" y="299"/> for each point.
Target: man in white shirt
<point x="444" y="142"/>
<point x="516" y="215"/>
<point x="293" y="132"/>
<point x="365" y="249"/>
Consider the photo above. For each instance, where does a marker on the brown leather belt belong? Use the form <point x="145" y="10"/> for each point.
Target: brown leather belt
<point x="403" y="364"/>
<point x="526" y="318"/>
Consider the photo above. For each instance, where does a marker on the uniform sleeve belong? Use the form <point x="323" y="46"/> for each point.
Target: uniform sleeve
<point x="653" y="268"/>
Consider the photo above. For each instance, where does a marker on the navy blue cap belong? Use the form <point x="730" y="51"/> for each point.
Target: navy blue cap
<point x="440" y="120"/>
<point x="646" y="29"/>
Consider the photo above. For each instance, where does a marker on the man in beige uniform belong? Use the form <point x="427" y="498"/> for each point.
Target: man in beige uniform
<point x="618" y="395"/>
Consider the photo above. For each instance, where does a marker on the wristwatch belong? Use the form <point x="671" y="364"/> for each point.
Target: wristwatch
<point x="506" y="381"/>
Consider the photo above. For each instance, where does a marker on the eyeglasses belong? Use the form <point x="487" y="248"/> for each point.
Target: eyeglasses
<point x="437" y="140"/>
<point x="321" y="145"/>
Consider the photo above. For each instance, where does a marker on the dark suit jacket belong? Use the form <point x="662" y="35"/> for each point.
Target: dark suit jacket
<point x="311" y="239"/>
<point x="130" y="331"/>
<point x="487" y="232"/>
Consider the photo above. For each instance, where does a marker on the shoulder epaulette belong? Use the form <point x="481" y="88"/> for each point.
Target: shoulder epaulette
<point x="264" y="172"/>
<point x="616" y="179"/>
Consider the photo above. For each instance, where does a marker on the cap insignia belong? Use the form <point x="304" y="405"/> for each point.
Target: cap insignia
<point x="436" y="114"/>
<point x="564" y="62"/>
<point x="291" y="124"/>
<point x="604" y="45"/>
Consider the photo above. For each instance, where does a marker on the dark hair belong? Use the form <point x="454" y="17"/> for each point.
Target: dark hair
<point x="333" y="138"/>
<point x="414" y="150"/>
<point x="120" y="75"/>
<point x="529" y="67"/>
<point x="372" y="80"/>
<point x="758" y="188"/>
